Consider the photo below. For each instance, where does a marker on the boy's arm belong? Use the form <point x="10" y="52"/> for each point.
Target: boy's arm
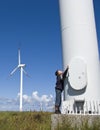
<point x="65" y="72"/>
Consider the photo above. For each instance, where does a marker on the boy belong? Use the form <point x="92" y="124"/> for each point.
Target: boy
<point x="60" y="76"/>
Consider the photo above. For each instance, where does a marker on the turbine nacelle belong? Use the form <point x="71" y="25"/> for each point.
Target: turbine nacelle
<point x="21" y="65"/>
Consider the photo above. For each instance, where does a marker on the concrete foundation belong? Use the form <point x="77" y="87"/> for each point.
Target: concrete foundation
<point x="75" y="121"/>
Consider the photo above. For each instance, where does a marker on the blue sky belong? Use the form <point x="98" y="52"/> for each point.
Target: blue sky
<point x="34" y="26"/>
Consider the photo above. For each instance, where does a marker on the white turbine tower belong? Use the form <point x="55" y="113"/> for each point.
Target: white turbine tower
<point x="20" y="66"/>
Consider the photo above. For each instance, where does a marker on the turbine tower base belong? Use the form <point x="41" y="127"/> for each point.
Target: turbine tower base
<point x="80" y="107"/>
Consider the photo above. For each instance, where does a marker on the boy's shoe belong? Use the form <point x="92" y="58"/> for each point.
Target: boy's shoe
<point x="57" y="112"/>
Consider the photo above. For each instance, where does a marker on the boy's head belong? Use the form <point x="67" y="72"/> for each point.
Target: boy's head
<point x="58" y="72"/>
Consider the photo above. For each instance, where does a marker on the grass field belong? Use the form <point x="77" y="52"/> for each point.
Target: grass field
<point x="25" y="121"/>
<point x="37" y="121"/>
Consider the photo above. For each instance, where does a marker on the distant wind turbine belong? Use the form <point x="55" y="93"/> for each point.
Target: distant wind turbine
<point x="20" y="66"/>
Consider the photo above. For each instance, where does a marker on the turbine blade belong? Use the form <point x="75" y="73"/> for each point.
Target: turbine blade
<point x="19" y="59"/>
<point x="13" y="71"/>
<point x="26" y="73"/>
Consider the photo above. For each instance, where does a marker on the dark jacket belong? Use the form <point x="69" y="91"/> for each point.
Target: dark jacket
<point x="60" y="80"/>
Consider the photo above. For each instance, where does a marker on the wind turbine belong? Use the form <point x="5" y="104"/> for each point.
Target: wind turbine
<point x="21" y="67"/>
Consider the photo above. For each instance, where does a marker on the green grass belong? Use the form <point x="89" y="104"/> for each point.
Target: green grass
<point x="25" y="121"/>
<point x="39" y="121"/>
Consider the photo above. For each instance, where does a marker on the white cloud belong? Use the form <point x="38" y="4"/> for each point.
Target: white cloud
<point x="35" y="96"/>
<point x="33" y="102"/>
<point x="27" y="98"/>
